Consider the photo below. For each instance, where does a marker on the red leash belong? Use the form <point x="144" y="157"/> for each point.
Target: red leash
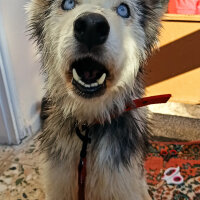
<point x="86" y="140"/>
<point x="81" y="178"/>
<point x="83" y="162"/>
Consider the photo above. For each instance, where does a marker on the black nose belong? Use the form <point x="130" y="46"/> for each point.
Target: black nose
<point x="91" y="29"/>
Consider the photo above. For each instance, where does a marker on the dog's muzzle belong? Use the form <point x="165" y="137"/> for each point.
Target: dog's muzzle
<point x="89" y="75"/>
<point x="91" y="30"/>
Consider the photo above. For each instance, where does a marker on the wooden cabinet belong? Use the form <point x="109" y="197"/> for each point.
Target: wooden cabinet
<point x="175" y="66"/>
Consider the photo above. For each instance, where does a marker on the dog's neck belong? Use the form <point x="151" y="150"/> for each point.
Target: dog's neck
<point x="137" y="103"/>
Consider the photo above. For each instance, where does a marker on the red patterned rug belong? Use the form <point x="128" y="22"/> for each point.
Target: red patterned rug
<point x="164" y="155"/>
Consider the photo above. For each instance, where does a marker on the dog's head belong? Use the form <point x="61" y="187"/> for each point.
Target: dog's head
<point x="93" y="50"/>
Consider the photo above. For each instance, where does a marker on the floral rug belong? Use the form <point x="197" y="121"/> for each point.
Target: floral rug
<point x="184" y="161"/>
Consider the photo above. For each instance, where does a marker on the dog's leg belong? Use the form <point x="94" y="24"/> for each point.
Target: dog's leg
<point x="59" y="168"/>
<point x="59" y="181"/>
<point x="116" y="184"/>
<point x="146" y="195"/>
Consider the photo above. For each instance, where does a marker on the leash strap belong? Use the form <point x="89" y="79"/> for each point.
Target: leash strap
<point x="83" y="161"/>
<point x="81" y="178"/>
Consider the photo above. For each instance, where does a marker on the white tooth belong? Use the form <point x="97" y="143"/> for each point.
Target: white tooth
<point x="75" y="75"/>
<point x="102" y="79"/>
<point x="81" y="82"/>
<point x="94" y="84"/>
<point x="87" y="86"/>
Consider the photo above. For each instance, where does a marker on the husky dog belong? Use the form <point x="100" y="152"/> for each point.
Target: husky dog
<point x="93" y="54"/>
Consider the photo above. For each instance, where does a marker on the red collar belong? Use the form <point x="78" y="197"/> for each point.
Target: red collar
<point x="148" y="101"/>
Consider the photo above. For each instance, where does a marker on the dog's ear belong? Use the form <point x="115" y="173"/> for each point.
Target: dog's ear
<point x="158" y="6"/>
<point x="154" y="10"/>
<point x="38" y="11"/>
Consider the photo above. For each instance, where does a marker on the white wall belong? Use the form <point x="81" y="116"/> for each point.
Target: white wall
<point x="23" y="64"/>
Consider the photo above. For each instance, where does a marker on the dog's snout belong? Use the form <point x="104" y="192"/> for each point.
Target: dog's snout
<point x="91" y="29"/>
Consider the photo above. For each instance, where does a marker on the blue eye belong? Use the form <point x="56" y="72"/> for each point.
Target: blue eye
<point x="123" y="10"/>
<point x="68" y="4"/>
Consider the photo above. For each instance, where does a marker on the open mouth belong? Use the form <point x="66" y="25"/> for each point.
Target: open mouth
<point x="89" y="77"/>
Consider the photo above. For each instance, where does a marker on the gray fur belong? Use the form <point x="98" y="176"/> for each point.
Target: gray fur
<point x="119" y="140"/>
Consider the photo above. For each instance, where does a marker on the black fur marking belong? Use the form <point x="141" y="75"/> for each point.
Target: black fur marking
<point x="150" y="14"/>
<point x="124" y="138"/>
<point x="45" y="106"/>
<point x="37" y="22"/>
<point x="144" y="12"/>
<point x="49" y="138"/>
